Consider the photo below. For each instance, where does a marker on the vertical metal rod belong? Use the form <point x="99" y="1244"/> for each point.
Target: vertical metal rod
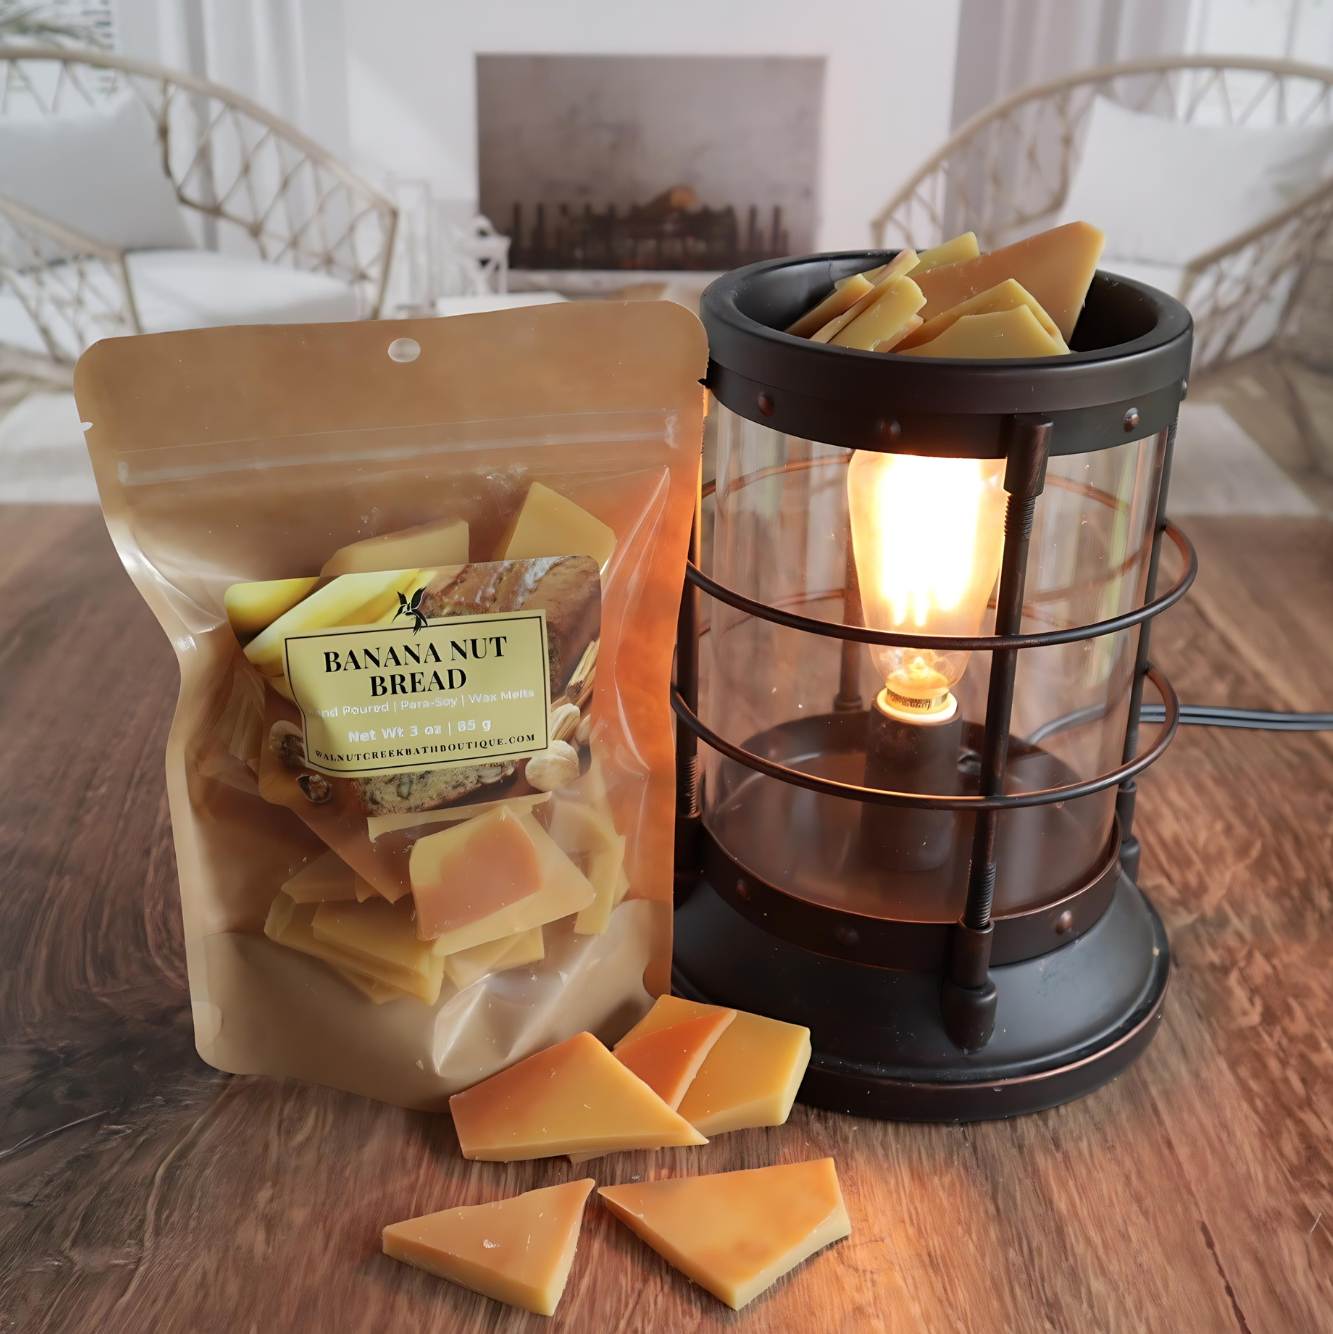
<point x="1024" y="478"/>
<point x="848" y="698"/>
<point x="969" y="996"/>
<point x="1128" y="794"/>
<point x="689" y="785"/>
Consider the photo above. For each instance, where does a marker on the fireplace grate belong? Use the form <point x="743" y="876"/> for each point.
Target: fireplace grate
<point x="670" y="232"/>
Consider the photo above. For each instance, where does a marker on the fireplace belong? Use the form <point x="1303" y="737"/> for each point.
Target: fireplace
<point x="666" y="163"/>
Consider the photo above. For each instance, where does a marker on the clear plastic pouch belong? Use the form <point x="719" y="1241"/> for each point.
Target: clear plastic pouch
<point x="375" y="895"/>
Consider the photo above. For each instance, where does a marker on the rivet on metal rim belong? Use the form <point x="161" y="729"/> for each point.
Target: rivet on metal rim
<point x="888" y="430"/>
<point x="1131" y="419"/>
<point x="766" y="404"/>
<point x="846" y="935"/>
<point x="1064" y="922"/>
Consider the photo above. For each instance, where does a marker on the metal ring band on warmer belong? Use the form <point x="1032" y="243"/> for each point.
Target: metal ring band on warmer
<point x="883" y="942"/>
<point x="954" y="643"/>
<point x="939" y="801"/>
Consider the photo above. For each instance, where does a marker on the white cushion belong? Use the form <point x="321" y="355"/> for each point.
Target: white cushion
<point x="97" y="171"/>
<point x="1165" y="192"/>
<point x="1264" y="320"/>
<point x="196" y="289"/>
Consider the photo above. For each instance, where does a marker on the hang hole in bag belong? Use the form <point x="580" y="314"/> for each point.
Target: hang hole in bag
<point x="404" y="349"/>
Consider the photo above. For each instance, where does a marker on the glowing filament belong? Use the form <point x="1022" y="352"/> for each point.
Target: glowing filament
<point x="927" y="535"/>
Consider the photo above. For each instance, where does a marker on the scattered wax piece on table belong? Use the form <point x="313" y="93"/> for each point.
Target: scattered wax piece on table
<point x="846" y="293"/>
<point x="468" y="966"/>
<point x="444" y="542"/>
<point x="292" y="924"/>
<point x="1008" y="295"/>
<point x="251" y="607"/>
<point x="574" y="1097"/>
<point x="885" y="319"/>
<point x="326" y="879"/>
<point x="751" y="1076"/>
<point x="378" y="938"/>
<point x="887" y="275"/>
<point x="562" y="889"/>
<point x="1055" y="266"/>
<point x="736" y="1233"/>
<point x="549" y="524"/>
<point x="948" y="252"/>
<point x="518" y="1250"/>
<point x="1001" y="333"/>
<point x="379" y="825"/>
<point x="350" y="599"/>
<point x="472" y="869"/>
<point x="668" y="1060"/>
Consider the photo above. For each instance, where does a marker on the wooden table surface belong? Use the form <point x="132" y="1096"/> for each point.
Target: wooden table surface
<point x="141" y="1190"/>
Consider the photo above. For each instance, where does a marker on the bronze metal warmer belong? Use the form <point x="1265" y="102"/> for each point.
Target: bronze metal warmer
<point x="924" y="852"/>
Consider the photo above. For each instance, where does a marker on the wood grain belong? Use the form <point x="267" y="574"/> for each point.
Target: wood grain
<point x="141" y="1190"/>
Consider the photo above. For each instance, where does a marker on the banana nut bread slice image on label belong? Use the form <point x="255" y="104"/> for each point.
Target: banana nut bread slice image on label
<point x="567" y="588"/>
<point x="411" y="793"/>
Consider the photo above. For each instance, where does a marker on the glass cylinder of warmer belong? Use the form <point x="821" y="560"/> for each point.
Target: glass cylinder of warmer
<point x="781" y="533"/>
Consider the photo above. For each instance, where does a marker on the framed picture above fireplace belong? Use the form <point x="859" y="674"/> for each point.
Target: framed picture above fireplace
<point x="637" y="162"/>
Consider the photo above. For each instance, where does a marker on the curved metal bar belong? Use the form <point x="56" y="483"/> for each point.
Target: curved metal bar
<point x="779" y="470"/>
<point x="1085" y="489"/>
<point x="970" y="643"/>
<point x="939" y="801"/>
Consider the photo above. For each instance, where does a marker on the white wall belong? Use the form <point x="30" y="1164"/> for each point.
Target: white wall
<point x="888" y="82"/>
<point x="288" y="55"/>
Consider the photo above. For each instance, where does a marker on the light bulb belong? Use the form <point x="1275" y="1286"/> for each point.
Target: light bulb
<point x="927" y="537"/>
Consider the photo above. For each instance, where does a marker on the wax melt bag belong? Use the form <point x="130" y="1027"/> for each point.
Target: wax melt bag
<point x="422" y="580"/>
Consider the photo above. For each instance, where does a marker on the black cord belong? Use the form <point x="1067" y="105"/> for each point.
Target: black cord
<point x="1195" y="715"/>
<point x="1264" y="720"/>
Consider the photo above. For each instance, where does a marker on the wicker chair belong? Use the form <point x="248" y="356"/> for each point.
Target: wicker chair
<point x="248" y="182"/>
<point x="1007" y="171"/>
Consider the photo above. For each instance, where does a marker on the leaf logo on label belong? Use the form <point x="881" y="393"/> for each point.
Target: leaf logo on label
<point x="412" y="609"/>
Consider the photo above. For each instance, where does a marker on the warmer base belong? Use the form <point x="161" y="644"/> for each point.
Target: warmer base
<point x="1068" y="1021"/>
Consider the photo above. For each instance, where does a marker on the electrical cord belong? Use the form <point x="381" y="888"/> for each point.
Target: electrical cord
<point x="1195" y="715"/>
<point x="1264" y="720"/>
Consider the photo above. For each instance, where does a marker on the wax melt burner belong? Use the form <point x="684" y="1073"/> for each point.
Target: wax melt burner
<point x="908" y="699"/>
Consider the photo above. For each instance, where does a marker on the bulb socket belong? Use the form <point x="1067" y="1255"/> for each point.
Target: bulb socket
<point x="923" y="712"/>
<point x="913" y="752"/>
